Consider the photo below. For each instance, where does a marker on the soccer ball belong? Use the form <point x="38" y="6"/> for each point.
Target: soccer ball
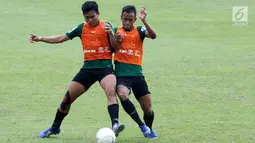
<point x="105" y="135"/>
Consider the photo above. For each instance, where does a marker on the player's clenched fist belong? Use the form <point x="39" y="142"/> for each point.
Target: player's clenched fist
<point x="33" y="38"/>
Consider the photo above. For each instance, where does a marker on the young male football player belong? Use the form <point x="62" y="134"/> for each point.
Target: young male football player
<point x="98" y="42"/>
<point x="128" y="67"/>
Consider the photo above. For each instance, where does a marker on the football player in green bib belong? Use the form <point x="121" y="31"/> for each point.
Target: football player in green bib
<point x="98" y="41"/>
<point x="128" y="67"/>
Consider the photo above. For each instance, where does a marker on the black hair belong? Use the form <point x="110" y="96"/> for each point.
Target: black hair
<point x="89" y="6"/>
<point x="129" y="9"/>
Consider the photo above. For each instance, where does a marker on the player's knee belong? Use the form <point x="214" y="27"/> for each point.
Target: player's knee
<point x="122" y="95"/>
<point x="110" y="92"/>
<point x="66" y="102"/>
<point x="147" y="109"/>
<point x="111" y="95"/>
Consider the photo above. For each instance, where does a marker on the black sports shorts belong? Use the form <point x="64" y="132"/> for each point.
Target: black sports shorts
<point x="88" y="77"/>
<point x="136" y="83"/>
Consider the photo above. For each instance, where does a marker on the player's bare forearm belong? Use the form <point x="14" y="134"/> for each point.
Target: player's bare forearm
<point x="114" y="42"/>
<point x="54" y="39"/>
<point x="151" y="33"/>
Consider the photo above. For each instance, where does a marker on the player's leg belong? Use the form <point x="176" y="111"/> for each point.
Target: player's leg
<point x="76" y="88"/>
<point x="107" y="81"/>
<point x="123" y="91"/>
<point x="127" y="105"/>
<point x="74" y="91"/>
<point x="145" y="102"/>
<point x="143" y="95"/>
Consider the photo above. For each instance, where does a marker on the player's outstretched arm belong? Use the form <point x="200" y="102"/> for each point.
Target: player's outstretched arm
<point x="113" y="39"/>
<point x="150" y="33"/>
<point x="48" y="39"/>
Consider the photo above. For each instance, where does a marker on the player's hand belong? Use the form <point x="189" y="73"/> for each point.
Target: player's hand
<point x="120" y="37"/>
<point x="34" y="38"/>
<point x="108" y="29"/>
<point x="143" y="13"/>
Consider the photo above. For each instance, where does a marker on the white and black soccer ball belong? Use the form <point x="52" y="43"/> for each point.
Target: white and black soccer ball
<point x="105" y="135"/>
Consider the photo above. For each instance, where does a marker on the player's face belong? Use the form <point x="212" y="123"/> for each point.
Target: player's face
<point x="91" y="18"/>
<point x="128" y="20"/>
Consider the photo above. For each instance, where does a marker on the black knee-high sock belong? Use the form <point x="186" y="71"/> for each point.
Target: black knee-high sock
<point x="148" y="119"/>
<point x="130" y="109"/>
<point x="58" y="119"/>
<point x="114" y="113"/>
